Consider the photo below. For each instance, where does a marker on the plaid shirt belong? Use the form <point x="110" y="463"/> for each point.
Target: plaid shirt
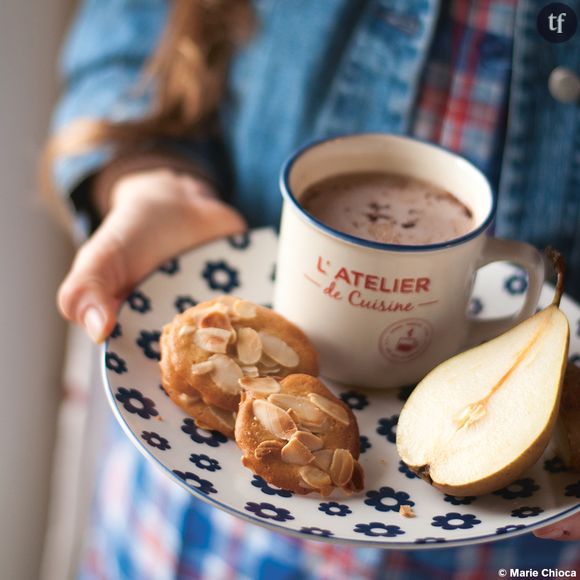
<point x="145" y="527"/>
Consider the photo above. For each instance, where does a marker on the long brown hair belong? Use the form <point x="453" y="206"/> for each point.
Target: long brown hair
<point x="186" y="74"/>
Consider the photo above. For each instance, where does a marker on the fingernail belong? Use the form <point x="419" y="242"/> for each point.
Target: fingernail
<point x="551" y="534"/>
<point x="94" y="322"/>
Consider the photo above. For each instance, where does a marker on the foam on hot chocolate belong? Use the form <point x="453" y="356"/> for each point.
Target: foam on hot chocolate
<point x="388" y="208"/>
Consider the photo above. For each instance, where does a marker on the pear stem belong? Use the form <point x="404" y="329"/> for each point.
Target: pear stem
<point x="559" y="266"/>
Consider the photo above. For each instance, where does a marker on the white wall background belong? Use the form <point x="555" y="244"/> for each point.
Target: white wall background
<point x="33" y="258"/>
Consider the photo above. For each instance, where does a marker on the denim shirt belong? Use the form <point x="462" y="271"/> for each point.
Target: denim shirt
<point x="316" y="69"/>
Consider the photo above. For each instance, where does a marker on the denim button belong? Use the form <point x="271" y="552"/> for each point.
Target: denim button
<point x="564" y="85"/>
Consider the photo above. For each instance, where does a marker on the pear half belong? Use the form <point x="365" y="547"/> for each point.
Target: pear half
<point x="567" y="430"/>
<point x="480" y="419"/>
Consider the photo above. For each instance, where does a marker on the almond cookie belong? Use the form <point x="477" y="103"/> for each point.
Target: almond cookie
<point x="297" y="435"/>
<point x="216" y="343"/>
<point x="205" y="416"/>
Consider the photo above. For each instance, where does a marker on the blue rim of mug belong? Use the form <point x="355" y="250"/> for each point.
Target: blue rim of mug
<point x="289" y="196"/>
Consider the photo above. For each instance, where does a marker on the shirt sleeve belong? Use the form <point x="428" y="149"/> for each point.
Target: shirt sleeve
<point x="101" y="63"/>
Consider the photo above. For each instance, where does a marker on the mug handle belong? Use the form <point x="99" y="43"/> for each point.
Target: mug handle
<point x="528" y="258"/>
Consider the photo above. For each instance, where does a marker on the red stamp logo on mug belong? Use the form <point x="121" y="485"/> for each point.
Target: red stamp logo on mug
<point x="405" y="340"/>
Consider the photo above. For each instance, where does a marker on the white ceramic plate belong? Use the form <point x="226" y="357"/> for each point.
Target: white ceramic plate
<point x="209" y="466"/>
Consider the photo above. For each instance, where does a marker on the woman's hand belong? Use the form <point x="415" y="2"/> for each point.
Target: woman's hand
<point x="567" y="529"/>
<point x="150" y="217"/>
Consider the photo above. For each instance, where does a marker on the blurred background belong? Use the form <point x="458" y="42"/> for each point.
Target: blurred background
<point x="34" y="254"/>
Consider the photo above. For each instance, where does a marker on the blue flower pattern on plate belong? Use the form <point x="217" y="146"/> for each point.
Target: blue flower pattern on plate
<point x="149" y="343"/>
<point x="314" y="531"/>
<point x="455" y="521"/>
<point x="575" y="359"/>
<point x="508" y="529"/>
<point x="333" y="508"/>
<point x="206" y="487"/>
<point x="526" y="512"/>
<point x="204" y="462"/>
<point x="115" y="363"/>
<point x="405" y="392"/>
<point x="555" y="465"/>
<point x="211" y="438"/>
<point x="268" y="511"/>
<point x="475" y="306"/>
<point x="378" y="529"/>
<point x="117" y="331"/>
<point x="220" y="276"/>
<point x="356" y="401"/>
<point x="388" y="428"/>
<point x="239" y="242"/>
<point x="404" y="469"/>
<point x="155" y="440"/>
<point x="520" y="488"/>
<point x="139" y="302"/>
<point x="573" y="490"/>
<point x="268" y="489"/>
<point x="171" y="267"/>
<point x="455" y="500"/>
<point x="364" y="443"/>
<point x="516" y="284"/>
<point x="387" y="499"/>
<point x="135" y="402"/>
<point x="182" y="303"/>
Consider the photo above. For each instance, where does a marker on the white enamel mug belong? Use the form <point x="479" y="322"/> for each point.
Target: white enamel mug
<point x="383" y="315"/>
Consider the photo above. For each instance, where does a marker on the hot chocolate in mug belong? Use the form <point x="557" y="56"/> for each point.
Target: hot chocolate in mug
<point x="383" y="315"/>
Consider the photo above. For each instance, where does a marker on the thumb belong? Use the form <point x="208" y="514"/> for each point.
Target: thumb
<point x="90" y="295"/>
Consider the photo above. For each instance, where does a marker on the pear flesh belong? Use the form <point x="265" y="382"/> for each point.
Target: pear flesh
<point x="480" y="419"/>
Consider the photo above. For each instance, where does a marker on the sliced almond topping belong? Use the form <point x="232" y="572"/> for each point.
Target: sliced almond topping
<point x="244" y="309"/>
<point x="305" y="411"/>
<point x="273" y="371"/>
<point x="357" y="481"/>
<point x="202" y="368"/>
<point x="213" y="339"/>
<point x="315" y="477"/>
<point x="186" y="329"/>
<point x="274" y="419"/>
<point x="296" y="453"/>
<point x="323" y="459"/>
<point x="267" y="362"/>
<point x="269" y="449"/>
<point x="341" y="467"/>
<point x="226" y="301"/>
<point x="279" y="351"/>
<point x="226" y="373"/>
<point x="251" y="371"/>
<point x="333" y="409"/>
<point x="226" y="418"/>
<point x="407" y="511"/>
<point x="189" y="399"/>
<point x="317" y="426"/>
<point x="308" y="439"/>
<point x="249" y="346"/>
<point x="217" y="307"/>
<point x="215" y="319"/>
<point x="260" y="384"/>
